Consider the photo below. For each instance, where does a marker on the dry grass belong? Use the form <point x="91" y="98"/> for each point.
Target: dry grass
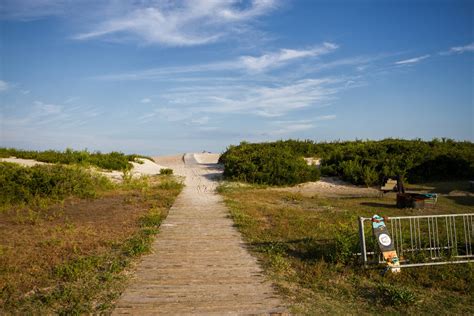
<point x="301" y="242"/>
<point x="70" y="257"/>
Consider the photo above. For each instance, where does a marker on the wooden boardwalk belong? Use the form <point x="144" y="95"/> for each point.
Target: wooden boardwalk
<point x="199" y="264"/>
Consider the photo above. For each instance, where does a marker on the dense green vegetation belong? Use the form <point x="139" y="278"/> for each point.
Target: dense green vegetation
<point x="263" y="164"/>
<point x="359" y="162"/>
<point x="109" y="161"/>
<point x="24" y="184"/>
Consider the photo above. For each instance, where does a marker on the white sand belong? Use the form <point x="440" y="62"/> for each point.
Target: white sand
<point x="147" y="168"/>
<point x="313" y="161"/>
<point x="207" y="158"/>
<point x="23" y="162"/>
<point x="330" y="186"/>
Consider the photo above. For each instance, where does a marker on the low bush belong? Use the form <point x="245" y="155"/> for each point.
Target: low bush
<point x="266" y="165"/>
<point x="166" y="171"/>
<point x="395" y="295"/>
<point x="24" y="184"/>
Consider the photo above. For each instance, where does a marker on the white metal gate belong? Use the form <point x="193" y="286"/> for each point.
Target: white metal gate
<point x="422" y="240"/>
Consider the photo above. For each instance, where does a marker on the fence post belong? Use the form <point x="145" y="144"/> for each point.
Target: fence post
<point x="363" y="249"/>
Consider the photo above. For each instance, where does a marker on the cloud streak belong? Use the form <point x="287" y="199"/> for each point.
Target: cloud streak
<point x="244" y="64"/>
<point x="294" y="126"/>
<point x="198" y="104"/>
<point x="4" y="86"/>
<point x="412" y="60"/>
<point x="283" y="56"/>
<point x="180" y="23"/>
<point x="30" y="10"/>
<point x="469" y="48"/>
<point x="40" y="114"/>
<point x="276" y="101"/>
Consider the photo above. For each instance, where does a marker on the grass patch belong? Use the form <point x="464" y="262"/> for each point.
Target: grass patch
<point x="74" y="259"/>
<point x="306" y="246"/>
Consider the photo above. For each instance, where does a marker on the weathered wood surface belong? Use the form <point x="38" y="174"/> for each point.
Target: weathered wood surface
<point x="199" y="264"/>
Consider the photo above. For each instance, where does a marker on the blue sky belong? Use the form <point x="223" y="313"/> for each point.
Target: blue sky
<point x="163" y="77"/>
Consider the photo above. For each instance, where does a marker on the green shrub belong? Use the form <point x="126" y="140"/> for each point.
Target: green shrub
<point x="346" y="243"/>
<point x="170" y="184"/>
<point x="266" y="165"/>
<point x="23" y="184"/>
<point x="395" y="295"/>
<point x="166" y="171"/>
<point x="369" y="176"/>
<point x="359" y="162"/>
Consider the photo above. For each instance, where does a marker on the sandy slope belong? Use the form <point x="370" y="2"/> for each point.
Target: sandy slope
<point x="23" y="162"/>
<point x="331" y="187"/>
<point x="146" y="168"/>
<point x="207" y="158"/>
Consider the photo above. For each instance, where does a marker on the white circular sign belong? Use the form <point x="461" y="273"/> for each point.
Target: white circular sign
<point x="385" y="239"/>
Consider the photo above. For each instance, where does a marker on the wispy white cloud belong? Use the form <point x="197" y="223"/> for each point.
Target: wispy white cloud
<point x="286" y="127"/>
<point x="283" y="56"/>
<point x="208" y="128"/>
<point x="42" y="114"/>
<point x="245" y="64"/>
<point x="194" y="105"/>
<point x="169" y="114"/>
<point x="47" y="109"/>
<point x="166" y="72"/>
<point x="31" y="9"/>
<point x="145" y="100"/>
<point x="242" y="72"/>
<point x="279" y="100"/>
<point x="4" y="86"/>
<point x="180" y="23"/>
<point x="258" y="100"/>
<point x="412" y="60"/>
<point x="326" y="117"/>
<point x="164" y="22"/>
<point x="290" y="128"/>
<point x="459" y="49"/>
<point x="203" y="120"/>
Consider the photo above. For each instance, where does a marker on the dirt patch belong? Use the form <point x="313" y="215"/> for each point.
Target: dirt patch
<point x="34" y="240"/>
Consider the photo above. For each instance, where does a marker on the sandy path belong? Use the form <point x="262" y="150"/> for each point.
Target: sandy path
<point x="199" y="263"/>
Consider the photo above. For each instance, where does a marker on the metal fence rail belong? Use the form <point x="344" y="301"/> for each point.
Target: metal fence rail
<point x="422" y="240"/>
